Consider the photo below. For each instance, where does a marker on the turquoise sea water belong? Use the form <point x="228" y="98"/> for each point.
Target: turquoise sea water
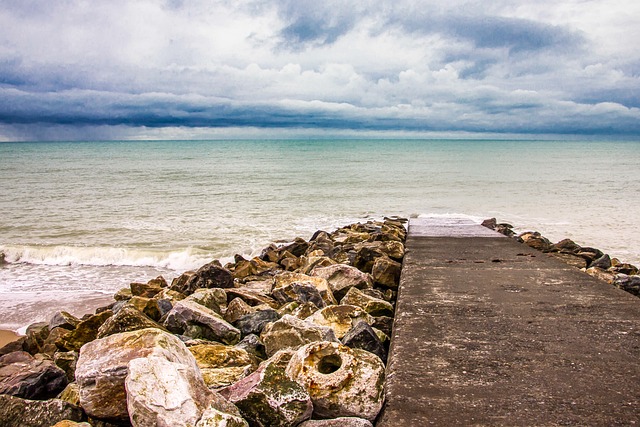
<point x="86" y="218"/>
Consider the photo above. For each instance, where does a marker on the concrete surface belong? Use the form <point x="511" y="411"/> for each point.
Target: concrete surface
<point x="491" y="332"/>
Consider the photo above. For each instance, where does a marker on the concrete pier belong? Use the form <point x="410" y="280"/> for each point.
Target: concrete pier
<point x="491" y="332"/>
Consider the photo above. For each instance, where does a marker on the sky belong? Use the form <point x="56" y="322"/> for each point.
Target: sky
<point x="121" y="69"/>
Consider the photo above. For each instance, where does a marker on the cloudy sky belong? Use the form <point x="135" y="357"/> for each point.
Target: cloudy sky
<point x="73" y="69"/>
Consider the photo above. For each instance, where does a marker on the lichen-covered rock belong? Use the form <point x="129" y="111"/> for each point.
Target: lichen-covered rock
<point x="342" y="277"/>
<point x="298" y="292"/>
<point x="126" y="319"/>
<point x="254" y="323"/>
<point x="254" y="267"/>
<point x="71" y="394"/>
<point x="22" y="375"/>
<point x="222" y="365"/>
<point x="364" y="337"/>
<point x="85" y="331"/>
<point x="214" y="299"/>
<point x="197" y="321"/>
<point x="18" y="412"/>
<point x="150" y="307"/>
<point x="66" y="360"/>
<point x="628" y="283"/>
<point x="268" y="397"/>
<point x="213" y="417"/>
<point x="288" y="280"/>
<point x="340" y="318"/>
<point x="604" y="262"/>
<point x="342" y="381"/>
<point x="236" y="309"/>
<point x="164" y="393"/>
<point x="36" y="334"/>
<point x="338" y="422"/>
<point x="149" y="289"/>
<point x="289" y="332"/>
<point x="102" y="367"/>
<point x="372" y="305"/>
<point x="252" y="345"/>
<point x="386" y="272"/>
<point x="49" y="346"/>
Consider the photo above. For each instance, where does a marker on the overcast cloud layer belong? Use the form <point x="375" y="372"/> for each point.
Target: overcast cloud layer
<point x="79" y="69"/>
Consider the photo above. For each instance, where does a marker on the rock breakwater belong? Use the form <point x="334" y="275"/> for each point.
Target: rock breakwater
<point x="590" y="260"/>
<point x="296" y="336"/>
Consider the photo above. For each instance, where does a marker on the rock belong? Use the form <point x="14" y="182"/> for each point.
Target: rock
<point x="505" y="229"/>
<point x="68" y="423"/>
<point x="301" y="311"/>
<point x="373" y="306"/>
<point x="222" y="365"/>
<point x="342" y="277"/>
<point x="624" y="268"/>
<point x="197" y="321"/>
<point x="102" y="368"/>
<point x="150" y="307"/>
<point x="342" y="381"/>
<point x="590" y="254"/>
<point x="571" y="259"/>
<point x="309" y="262"/>
<point x="363" y="336"/>
<point x="386" y="272"/>
<point x="628" y="283"/>
<point x="290" y="333"/>
<point x="268" y="397"/>
<point x="85" y="331"/>
<point x="71" y="394"/>
<point x="384" y="324"/>
<point x="123" y="294"/>
<point x="254" y="267"/>
<point x="236" y="309"/>
<point x="567" y="246"/>
<point x="18" y="412"/>
<point x="214" y="299"/>
<point x="297" y="248"/>
<point x="211" y="275"/>
<point x="65" y="320"/>
<point x="490" y="223"/>
<point x="149" y="289"/>
<point x="604" y="262"/>
<point x="601" y="274"/>
<point x="165" y="393"/>
<point x="252" y="345"/>
<point x="170" y="295"/>
<point x="17" y="345"/>
<point x="340" y="318"/>
<point x="66" y="360"/>
<point x="125" y="320"/>
<point x="36" y="335"/>
<point x="365" y="257"/>
<point x="213" y="417"/>
<point x="252" y="298"/>
<point x="49" y="346"/>
<point x="22" y="375"/>
<point x="338" y="422"/>
<point x="253" y="323"/>
<point x="286" y="283"/>
<point x="535" y="240"/>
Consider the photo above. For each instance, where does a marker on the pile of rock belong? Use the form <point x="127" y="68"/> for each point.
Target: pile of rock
<point x="591" y="260"/>
<point x="296" y="336"/>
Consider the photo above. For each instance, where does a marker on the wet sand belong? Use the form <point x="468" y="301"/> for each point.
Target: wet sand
<point x="7" y="336"/>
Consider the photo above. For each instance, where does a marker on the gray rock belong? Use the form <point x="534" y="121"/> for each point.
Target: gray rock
<point x="126" y="320"/>
<point x="18" y="412"/>
<point x="289" y="332"/>
<point x="66" y="360"/>
<point x="22" y="375"/>
<point x="340" y="318"/>
<point x="253" y="346"/>
<point x="211" y="275"/>
<point x="372" y="305"/>
<point x="299" y="292"/>
<point x="363" y="336"/>
<point x="604" y="262"/>
<point x="268" y="397"/>
<point x="62" y="319"/>
<point x="214" y="299"/>
<point x="254" y="323"/>
<point x="197" y="321"/>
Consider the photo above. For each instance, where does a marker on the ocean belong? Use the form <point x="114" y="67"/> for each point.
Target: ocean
<point x="80" y="220"/>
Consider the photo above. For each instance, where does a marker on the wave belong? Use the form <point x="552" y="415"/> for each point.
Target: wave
<point x="177" y="260"/>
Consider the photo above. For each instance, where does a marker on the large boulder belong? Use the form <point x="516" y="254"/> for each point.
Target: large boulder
<point x="126" y="319"/>
<point x="214" y="299"/>
<point x="18" y="412"/>
<point x="290" y="332"/>
<point x="103" y="366"/>
<point x="363" y="336"/>
<point x="85" y="331"/>
<point x="340" y="318"/>
<point x="22" y="375"/>
<point x="386" y="272"/>
<point x="268" y="397"/>
<point x="165" y="393"/>
<point x="254" y="323"/>
<point x="342" y="277"/>
<point x="372" y="305"/>
<point x="222" y="365"/>
<point x="197" y="321"/>
<point x="65" y="320"/>
<point x="299" y="287"/>
<point x="211" y="275"/>
<point x="342" y="382"/>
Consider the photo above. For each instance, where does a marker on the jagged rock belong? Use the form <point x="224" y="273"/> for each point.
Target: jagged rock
<point x="286" y="282"/>
<point x="197" y="321"/>
<point x="297" y="248"/>
<point x="150" y="307"/>
<point x="36" y="335"/>
<point x="290" y="333"/>
<point x="214" y="299"/>
<point x="268" y="397"/>
<point x="308" y="262"/>
<point x="18" y="412"/>
<point x="253" y="323"/>
<point x="68" y="423"/>
<point x="489" y="223"/>
<point x="213" y="417"/>
<point x="386" y="272"/>
<point x="373" y="306"/>
<point x="365" y="257"/>
<point x="252" y="298"/>
<point x="236" y="309"/>
<point x="49" y="346"/>
<point x="102" y="368"/>
<point x="628" y="283"/>
<point x="85" y="331"/>
<point x="604" y="262"/>
<point x="535" y="240"/>
<point x="590" y="254"/>
<point x="222" y="365"/>
<point x="624" y="268"/>
<point x="254" y="267"/>
<point x="123" y="294"/>
<point x="363" y="336"/>
<point x="17" y="345"/>
<point x="149" y="289"/>
<point x="301" y="311"/>
<point x="165" y="393"/>
<point x="338" y="422"/>
<point x="65" y="320"/>
<point x="384" y="324"/>
<point x="125" y="320"/>
<point x="170" y="295"/>
<point x="66" y="360"/>
<point x="211" y="275"/>
<point x="342" y="277"/>
<point x="571" y="259"/>
<point x="567" y="246"/>
<point x="22" y="375"/>
<point x="601" y="274"/>
<point x="340" y="318"/>
<point x="252" y="345"/>
<point x="71" y="394"/>
<point x="342" y="381"/>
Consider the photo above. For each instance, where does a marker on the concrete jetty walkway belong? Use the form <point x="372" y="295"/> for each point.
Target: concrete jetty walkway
<point x="491" y="332"/>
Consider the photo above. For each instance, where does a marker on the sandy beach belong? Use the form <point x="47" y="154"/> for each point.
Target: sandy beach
<point x="7" y="336"/>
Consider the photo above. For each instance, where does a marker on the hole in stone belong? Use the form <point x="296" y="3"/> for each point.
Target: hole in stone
<point x="329" y="364"/>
